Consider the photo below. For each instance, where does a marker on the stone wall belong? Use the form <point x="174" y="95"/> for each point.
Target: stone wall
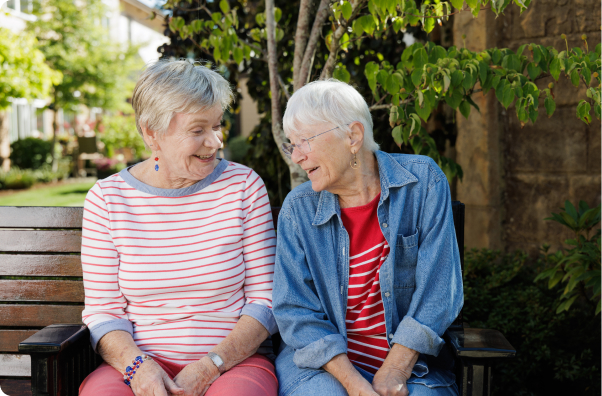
<point x="515" y="177"/>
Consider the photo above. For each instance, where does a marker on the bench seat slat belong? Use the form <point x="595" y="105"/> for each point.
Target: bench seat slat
<point x="40" y="241"/>
<point x="10" y="339"/>
<point x="15" y="365"/>
<point x="40" y="217"/>
<point x="25" y="315"/>
<point x="40" y="265"/>
<point x="42" y="290"/>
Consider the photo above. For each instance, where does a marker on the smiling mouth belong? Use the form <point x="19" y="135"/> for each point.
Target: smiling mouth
<point x="310" y="171"/>
<point x="203" y="157"/>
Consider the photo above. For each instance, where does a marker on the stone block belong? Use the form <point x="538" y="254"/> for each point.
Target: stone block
<point x="482" y="227"/>
<point x="594" y="160"/>
<point x="530" y="198"/>
<point x="552" y="145"/>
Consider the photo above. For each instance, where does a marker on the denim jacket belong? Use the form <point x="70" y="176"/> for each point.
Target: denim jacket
<point x="420" y="280"/>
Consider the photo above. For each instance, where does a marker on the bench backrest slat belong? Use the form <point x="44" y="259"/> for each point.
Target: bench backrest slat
<point x="60" y="241"/>
<point x="41" y="290"/>
<point x="26" y="315"/>
<point x="40" y="265"/>
<point x="10" y="339"/>
<point x="40" y="217"/>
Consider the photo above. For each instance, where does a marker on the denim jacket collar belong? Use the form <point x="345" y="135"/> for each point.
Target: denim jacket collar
<point x="392" y="174"/>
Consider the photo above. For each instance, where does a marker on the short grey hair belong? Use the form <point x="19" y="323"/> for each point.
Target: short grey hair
<point x="167" y="87"/>
<point x="329" y="101"/>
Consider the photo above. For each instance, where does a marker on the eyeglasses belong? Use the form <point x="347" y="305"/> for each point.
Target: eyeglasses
<point x="304" y="146"/>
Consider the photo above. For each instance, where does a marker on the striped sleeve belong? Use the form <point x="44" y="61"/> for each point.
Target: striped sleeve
<point x="100" y="265"/>
<point x="259" y="249"/>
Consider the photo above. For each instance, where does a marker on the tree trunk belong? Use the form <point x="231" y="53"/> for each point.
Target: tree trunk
<point x="298" y="176"/>
<point x="301" y="36"/>
<point x="4" y="142"/>
<point x="55" y="131"/>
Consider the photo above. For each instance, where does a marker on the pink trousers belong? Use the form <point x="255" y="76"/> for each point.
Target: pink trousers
<point x="255" y="376"/>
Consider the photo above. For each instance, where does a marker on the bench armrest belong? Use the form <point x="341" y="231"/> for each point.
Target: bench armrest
<point x="54" y="339"/>
<point x="479" y="344"/>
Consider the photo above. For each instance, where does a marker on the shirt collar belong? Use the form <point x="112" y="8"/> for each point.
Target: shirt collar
<point x="392" y="174"/>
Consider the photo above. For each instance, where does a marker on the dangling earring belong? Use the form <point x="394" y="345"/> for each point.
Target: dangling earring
<point x="157" y="164"/>
<point x="354" y="162"/>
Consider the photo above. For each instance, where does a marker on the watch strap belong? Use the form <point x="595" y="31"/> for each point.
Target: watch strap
<point x="218" y="361"/>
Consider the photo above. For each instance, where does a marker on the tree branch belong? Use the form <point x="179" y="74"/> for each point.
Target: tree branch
<point x="312" y="44"/>
<point x="298" y="176"/>
<point x="283" y="86"/>
<point x="335" y="41"/>
<point x="301" y="36"/>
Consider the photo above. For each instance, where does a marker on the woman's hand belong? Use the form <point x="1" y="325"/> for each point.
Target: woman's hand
<point x="391" y="378"/>
<point x="389" y="381"/>
<point x="196" y="378"/>
<point x="151" y="380"/>
<point x="360" y="387"/>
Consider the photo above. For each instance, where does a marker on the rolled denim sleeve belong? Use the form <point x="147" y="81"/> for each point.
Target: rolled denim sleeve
<point x="263" y="315"/>
<point x="438" y="296"/>
<point x="301" y="318"/>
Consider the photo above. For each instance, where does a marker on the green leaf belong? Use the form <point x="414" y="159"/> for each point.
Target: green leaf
<point x="583" y="109"/>
<point x="550" y="106"/>
<point x="397" y="135"/>
<point x="277" y="14"/>
<point x="429" y="24"/>
<point x="555" y="279"/>
<point x="420" y="58"/>
<point x="457" y="3"/>
<point x="507" y="96"/>
<point x="472" y="103"/>
<point x="483" y="71"/>
<point x="425" y="111"/>
<point x="454" y="99"/>
<point x="512" y="62"/>
<point x="347" y="10"/>
<point x="566" y="305"/>
<point x="381" y="77"/>
<point x="496" y="57"/>
<point x="468" y="81"/>
<point x="392" y="84"/>
<point x="465" y="108"/>
<point x="437" y="53"/>
<point x="575" y="77"/>
<point x="555" y="68"/>
<point x="237" y="54"/>
<point x="368" y="24"/>
<point x="534" y="71"/>
<point x="357" y="27"/>
<point x="398" y="24"/>
<point x="456" y="78"/>
<point x="587" y="75"/>
<point x="341" y="74"/>
<point x="416" y="77"/>
<point x="224" y="6"/>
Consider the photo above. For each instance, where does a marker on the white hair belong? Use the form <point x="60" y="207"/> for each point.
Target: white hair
<point x="329" y="101"/>
<point x="167" y="87"/>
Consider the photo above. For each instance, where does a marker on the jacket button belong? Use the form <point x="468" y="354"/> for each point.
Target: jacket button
<point x="391" y="335"/>
<point x="387" y="294"/>
<point x="385" y="225"/>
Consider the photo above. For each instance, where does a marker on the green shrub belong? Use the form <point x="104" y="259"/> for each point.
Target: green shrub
<point x="576" y="268"/>
<point x="16" y="179"/>
<point x="557" y="354"/>
<point x="119" y="131"/>
<point x="30" y="153"/>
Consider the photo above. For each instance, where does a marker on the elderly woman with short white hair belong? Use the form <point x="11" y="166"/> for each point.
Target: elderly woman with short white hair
<point x="367" y="275"/>
<point x="178" y="253"/>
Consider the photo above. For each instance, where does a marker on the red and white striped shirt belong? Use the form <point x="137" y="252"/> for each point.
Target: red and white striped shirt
<point x="367" y="344"/>
<point x="179" y="267"/>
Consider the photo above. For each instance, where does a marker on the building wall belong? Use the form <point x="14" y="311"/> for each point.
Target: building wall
<point x="515" y="177"/>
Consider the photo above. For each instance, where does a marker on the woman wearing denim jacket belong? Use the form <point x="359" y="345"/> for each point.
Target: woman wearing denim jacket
<point x="367" y="275"/>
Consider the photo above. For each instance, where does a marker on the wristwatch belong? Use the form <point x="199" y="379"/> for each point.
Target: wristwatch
<point x="217" y="360"/>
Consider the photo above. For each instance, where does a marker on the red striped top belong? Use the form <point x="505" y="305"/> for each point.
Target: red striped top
<point x="367" y="345"/>
<point x="180" y="268"/>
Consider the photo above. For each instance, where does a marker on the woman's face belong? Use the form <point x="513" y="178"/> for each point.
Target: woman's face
<point x="188" y="149"/>
<point x="327" y="164"/>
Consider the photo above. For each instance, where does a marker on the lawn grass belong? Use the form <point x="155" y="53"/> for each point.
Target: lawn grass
<point x="67" y="194"/>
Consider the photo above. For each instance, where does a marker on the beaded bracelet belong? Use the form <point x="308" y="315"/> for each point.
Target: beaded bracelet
<point x="130" y="371"/>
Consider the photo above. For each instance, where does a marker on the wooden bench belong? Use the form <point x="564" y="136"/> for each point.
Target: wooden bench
<point x="45" y="348"/>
